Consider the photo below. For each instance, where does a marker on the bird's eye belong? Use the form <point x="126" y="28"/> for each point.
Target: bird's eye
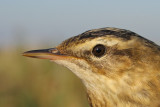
<point x="99" y="50"/>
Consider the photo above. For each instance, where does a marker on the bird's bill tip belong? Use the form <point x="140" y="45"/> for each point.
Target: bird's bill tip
<point x="52" y="54"/>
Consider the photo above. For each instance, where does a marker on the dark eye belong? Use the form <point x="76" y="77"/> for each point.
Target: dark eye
<point x="99" y="50"/>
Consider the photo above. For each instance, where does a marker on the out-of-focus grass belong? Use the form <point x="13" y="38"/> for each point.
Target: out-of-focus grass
<point x="27" y="82"/>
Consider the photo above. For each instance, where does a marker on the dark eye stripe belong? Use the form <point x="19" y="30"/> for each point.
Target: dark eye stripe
<point x="99" y="50"/>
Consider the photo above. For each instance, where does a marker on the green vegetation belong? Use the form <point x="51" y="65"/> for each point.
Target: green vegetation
<point x="27" y="82"/>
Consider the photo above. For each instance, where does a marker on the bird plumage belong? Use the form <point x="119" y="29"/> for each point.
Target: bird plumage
<point x="118" y="67"/>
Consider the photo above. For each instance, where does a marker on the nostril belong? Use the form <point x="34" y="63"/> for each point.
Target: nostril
<point x="53" y="50"/>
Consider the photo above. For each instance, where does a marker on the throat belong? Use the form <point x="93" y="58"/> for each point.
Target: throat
<point x="101" y="94"/>
<point x="96" y="100"/>
<point x="101" y="90"/>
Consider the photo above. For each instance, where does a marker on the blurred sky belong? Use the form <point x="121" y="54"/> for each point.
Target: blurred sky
<point x="51" y="21"/>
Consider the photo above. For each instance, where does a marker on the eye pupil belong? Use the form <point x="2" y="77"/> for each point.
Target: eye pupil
<point x="99" y="50"/>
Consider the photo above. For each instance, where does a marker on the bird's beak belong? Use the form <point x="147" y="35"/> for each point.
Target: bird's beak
<point x="52" y="54"/>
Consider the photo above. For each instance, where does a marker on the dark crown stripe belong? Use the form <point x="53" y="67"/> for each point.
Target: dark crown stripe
<point x="119" y="33"/>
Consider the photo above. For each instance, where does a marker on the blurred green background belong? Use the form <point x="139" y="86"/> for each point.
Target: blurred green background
<point x="37" y="24"/>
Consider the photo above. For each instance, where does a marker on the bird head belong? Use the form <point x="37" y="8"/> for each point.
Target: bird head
<point x="105" y="51"/>
<point x="105" y="59"/>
